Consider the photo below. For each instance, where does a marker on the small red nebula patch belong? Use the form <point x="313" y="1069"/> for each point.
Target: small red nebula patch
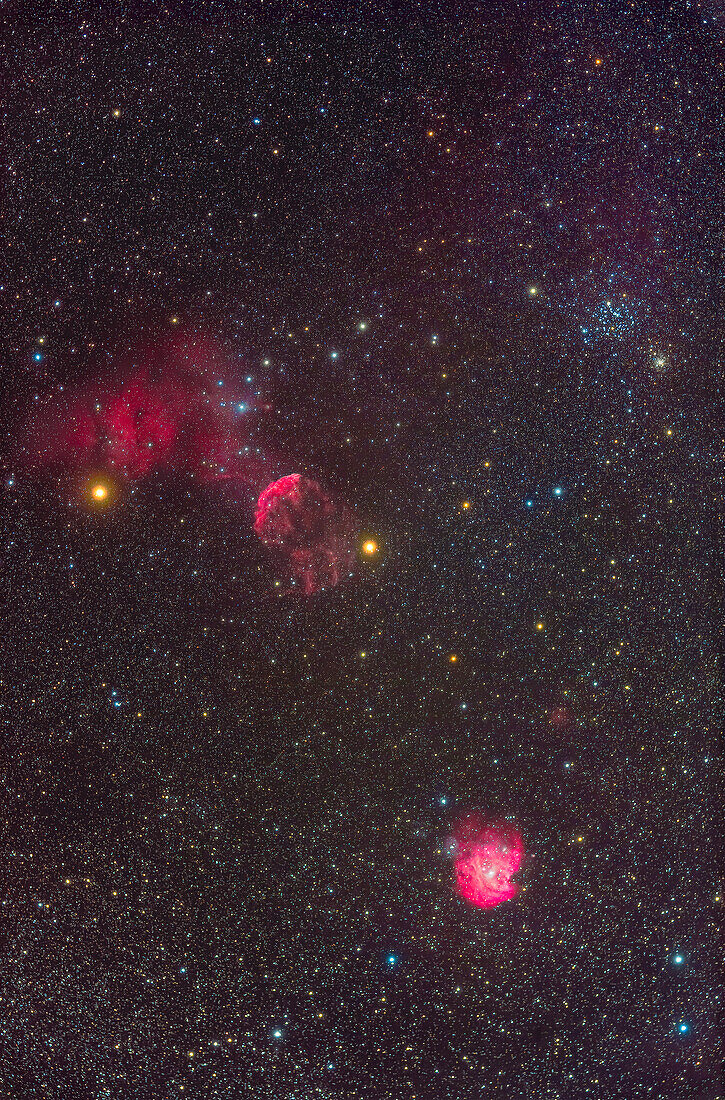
<point x="560" y="717"/>
<point x="486" y="856"/>
<point x="298" y="518"/>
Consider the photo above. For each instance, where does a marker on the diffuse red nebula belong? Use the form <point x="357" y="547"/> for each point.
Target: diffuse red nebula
<point x="67" y="437"/>
<point x="560" y="717"/>
<point x="169" y="407"/>
<point x="297" y="517"/>
<point x="140" y="425"/>
<point x="486" y="856"/>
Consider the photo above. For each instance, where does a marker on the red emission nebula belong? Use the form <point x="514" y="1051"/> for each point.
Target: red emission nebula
<point x="486" y="856"/>
<point x="172" y="406"/>
<point x="169" y="405"/>
<point x="297" y="517"/>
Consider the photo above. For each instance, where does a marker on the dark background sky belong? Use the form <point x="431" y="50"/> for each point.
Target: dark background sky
<point x="465" y="253"/>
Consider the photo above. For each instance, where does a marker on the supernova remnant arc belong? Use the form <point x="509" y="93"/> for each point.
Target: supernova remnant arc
<point x="297" y="517"/>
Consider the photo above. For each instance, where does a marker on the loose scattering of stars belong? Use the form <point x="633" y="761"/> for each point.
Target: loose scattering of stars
<point x="360" y="552"/>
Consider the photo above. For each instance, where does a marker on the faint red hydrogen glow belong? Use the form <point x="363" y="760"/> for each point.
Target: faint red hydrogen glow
<point x="140" y="425"/>
<point x="297" y="517"/>
<point x="486" y="856"/>
<point x="170" y="404"/>
<point x="560" y="717"/>
<point x="65" y="436"/>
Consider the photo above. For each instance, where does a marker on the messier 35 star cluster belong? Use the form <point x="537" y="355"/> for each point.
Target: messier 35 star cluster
<point x="360" y="470"/>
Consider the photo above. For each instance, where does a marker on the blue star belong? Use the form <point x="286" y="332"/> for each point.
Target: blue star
<point x="683" y="1028"/>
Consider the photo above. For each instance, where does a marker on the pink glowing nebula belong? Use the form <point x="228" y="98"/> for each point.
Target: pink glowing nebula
<point x="170" y="405"/>
<point x="298" y="518"/>
<point x="560" y="717"/>
<point x="486" y="856"/>
<point x="139" y="425"/>
<point x="173" y="405"/>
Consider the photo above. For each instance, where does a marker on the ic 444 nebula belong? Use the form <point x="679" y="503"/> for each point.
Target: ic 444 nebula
<point x="140" y="426"/>
<point x="486" y="856"/>
<point x="296" y="516"/>
<point x="170" y="405"/>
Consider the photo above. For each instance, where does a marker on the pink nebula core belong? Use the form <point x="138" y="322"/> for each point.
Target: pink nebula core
<point x="299" y="519"/>
<point x="487" y="855"/>
<point x="560" y="717"/>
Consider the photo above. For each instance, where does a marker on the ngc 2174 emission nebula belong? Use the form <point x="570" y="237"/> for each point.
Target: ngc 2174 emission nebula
<point x="487" y="856"/>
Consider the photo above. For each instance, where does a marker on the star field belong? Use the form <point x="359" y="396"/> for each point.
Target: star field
<point x="460" y="267"/>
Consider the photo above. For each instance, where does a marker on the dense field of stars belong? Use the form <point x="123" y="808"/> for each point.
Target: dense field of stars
<point x="361" y="463"/>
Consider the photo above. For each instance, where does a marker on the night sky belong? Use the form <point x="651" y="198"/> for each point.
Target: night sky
<point x="457" y="266"/>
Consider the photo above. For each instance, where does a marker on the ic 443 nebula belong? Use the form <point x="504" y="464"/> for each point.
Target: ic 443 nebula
<point x="486" y="856"/>
<point x="297" y="517"/>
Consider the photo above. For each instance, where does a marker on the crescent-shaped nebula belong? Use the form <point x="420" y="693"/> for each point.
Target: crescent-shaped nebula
<point x="486" y="856"/>
<point x="315" y="533"/>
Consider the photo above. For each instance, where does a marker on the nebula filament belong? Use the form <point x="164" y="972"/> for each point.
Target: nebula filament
<point x="298" y="518"/>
